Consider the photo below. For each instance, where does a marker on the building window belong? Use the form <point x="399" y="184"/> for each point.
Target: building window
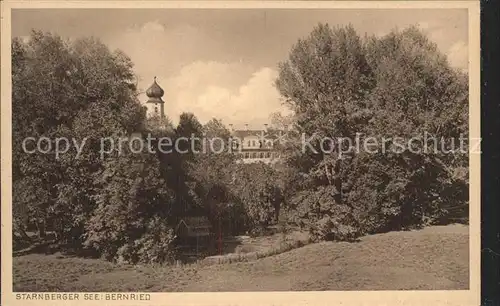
<point x="156" y="109"/>
<point x="249" y="143"/>
<point x="261" y="154"/>
<point x="268" y="154"/>
<point x="247" y="155"/>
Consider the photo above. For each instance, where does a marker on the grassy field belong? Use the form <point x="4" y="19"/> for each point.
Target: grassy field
<point x="432" y="258"/>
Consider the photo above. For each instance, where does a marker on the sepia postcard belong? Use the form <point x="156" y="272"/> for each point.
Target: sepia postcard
<point x="240" y="153"/>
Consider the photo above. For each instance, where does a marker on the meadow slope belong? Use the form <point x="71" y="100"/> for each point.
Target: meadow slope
<point x="433" y="258"/>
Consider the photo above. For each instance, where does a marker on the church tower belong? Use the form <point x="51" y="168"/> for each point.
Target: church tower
<point x="155" y="104"/>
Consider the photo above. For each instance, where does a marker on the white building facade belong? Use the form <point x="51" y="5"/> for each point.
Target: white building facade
<point x="257" y="145"/>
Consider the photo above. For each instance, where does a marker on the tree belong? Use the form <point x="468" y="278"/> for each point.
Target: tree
<point x="213" y="174"/>
<point x="341" y="86"/>
<point x="326" y="81"/>
<point x="258" y="189"/>
<point x="77" y="90"/>
<point x="282" y="122"/>
<point x="418" y="93"/>
<point x="132" y="221"/>
<point x="187" y="139"/>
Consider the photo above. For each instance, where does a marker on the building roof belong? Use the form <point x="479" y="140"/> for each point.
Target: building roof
<point x="155" y="93"/>
<point x="260" y="149"/>
<point x="197" y="226"/>
<point x="195" y="222"/>
<point x="267" y="134"/>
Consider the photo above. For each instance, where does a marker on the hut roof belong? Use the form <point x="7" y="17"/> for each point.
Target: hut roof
<point x="197" y="226"/>
<point x="197" y="222"/>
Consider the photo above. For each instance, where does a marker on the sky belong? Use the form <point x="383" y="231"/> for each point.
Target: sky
<point x="222" y="63"/>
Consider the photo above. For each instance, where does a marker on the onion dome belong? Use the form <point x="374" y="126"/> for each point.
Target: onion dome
<point x="154" y="93"/>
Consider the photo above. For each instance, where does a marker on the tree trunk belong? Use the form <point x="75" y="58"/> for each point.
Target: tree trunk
<point x="40" y="225"/>
<point x="59" y="228"/>
<point x="277" y="212"/>
<point x="334" y="179"/>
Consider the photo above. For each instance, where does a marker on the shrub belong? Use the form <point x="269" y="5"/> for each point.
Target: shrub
<point x="154" y="246"/>
<point x="328" y="228"/>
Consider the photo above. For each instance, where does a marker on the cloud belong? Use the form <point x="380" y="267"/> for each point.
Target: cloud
<point x="183" y="58"/>
<point x="152" y="27"/>
<point x="435" y="31"/>
<point x="455" y="49"/>
<point x="208" y="90"/>
<point x="424" y="25"/>
<point x="25" y="38"/>
<point x="458" y="55"/>
<point x="157" y="49"/>
<point x="180" y="58"/>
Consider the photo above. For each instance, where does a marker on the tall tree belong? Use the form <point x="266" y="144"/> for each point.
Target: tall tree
<point x="400" y="85"/>
<point x="187" y="144"/>
<point x="326" y="80"/>
<point x="417" y="95"/>
<point x="213" y="172"/>
<point x="77" y="90"/>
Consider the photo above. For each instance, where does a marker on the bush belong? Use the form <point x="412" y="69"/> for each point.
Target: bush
<point x="330" y="229"/>
<point x="154" y="246"/>
<point x="257" y="187"/>
<point x="324" y="218"/>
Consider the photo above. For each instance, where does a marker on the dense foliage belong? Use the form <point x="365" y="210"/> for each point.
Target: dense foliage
<point x="399" y="85"/>
<point x="125" y="205"/>
<point x="80" y="91"/>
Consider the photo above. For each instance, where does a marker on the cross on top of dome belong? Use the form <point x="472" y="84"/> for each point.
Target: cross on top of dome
<point x="155" y="93"/>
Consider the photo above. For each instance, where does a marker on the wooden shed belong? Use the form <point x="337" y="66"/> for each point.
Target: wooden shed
<point x="195" y="235"/>
<point x="191" y="227"/>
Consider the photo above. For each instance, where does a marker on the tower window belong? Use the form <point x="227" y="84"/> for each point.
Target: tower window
<point x="156" y="109"/>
